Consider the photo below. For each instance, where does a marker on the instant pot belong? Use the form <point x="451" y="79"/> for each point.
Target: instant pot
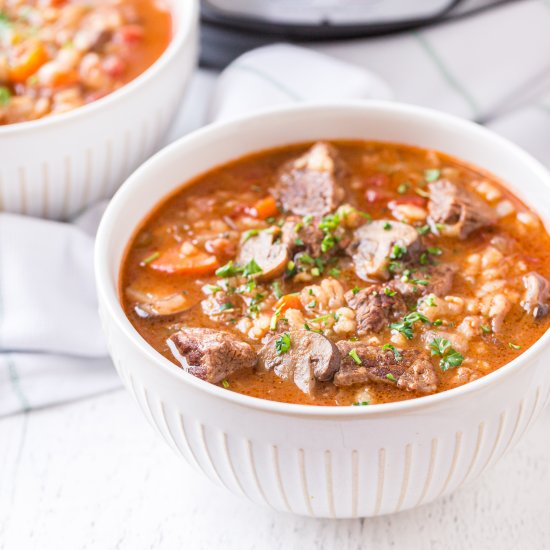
<point x="231" y="27"/>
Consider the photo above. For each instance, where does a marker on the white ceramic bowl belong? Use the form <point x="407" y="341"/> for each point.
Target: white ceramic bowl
<point x="55" y="166"/>
<point x="324" y="461"/>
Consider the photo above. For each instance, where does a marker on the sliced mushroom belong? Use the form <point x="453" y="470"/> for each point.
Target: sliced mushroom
<point x="270" y="254"/>
<point x="376" y="244"/>
<point x="537" y="290"/>
<point x="309" y="357"/>
<point x="150" y="306"/>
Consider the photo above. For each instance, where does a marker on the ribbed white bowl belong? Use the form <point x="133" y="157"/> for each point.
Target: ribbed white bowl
<point x="56" y="166"/>
<point x="324" y="461"/>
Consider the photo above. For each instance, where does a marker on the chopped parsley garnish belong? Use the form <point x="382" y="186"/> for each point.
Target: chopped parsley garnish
<point x="450" y="358"/>
<point x="486" y="329"/>
<point x="435" y="250"/>
<point x="354" y="356"/>
<point x="432" y="175"/>
<point x="329" y="222"/>
<point x="270" y="220"/>
<point x="397" y="252"/>
<point x="335" y="272"/>
<point x="315" y="271"/>
<point x="513" y="346"/>
<point x="214" y="288"/>
<point x="355" y="290"/>
<point x="231" y="270"/>
<point x="423" y="259"/>
<point x="150" y="258"/>
<point x="387" y="226"/>
<point x="389" y="292"/>
<point x="282" y="344"/>
<point x="430" y="301"/>
<point x="226" y="306"/>
<point x="402" y="189"/>
<point x="320" y="319"/>
<point x="424" y="230"/>
<point x="391" y="377"/>
<point x="406" y="326"/>
<point x="361" y="404"/>
<point x="277" y="289"/>
<point x="398" y="355"/>
<point x="228" y="270"/>
<point x="5" y="95"/>
<point x="395" y="267"/>
<point x="290" y="267"/>
<point x="306" y="259"/>
<point x="437" y="322"/>
<point x="251" y="268"/>
<point x="225" y="384"/>
<point x="328" y="242"/>
<point x="250" y="233"/>
<point x="312" y="304"/>
<point x="298" y="242"/>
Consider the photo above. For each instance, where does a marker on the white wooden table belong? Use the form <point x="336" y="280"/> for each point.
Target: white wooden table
<point x="94" y="475"/>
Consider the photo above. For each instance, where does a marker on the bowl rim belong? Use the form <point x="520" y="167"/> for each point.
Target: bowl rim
<point x="108" y="290"/>
<point x="179" y="39"/>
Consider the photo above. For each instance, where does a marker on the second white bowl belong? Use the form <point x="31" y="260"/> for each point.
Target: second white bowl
<point x="56" y="166"/>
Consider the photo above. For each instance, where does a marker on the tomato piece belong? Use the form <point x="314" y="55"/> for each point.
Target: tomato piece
<point x="129" y="34"/>
<point x="264" y="208"/>
<point x="175" y="262"/>
<point x="30" y="56"/>
<point x="288" y="301"/>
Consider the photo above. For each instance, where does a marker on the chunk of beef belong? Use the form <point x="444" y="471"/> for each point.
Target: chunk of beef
<point x="269" y="253"/>
<point x="210" y="355"/>
<point x="537" y="290"/>
<point x="436" y="280"/>
<point x="310" y="184"/>
<point x="409" y="370"/>
<point x="374" y="308"/>
<point x="378" y="243"/>
<point x="311" y="357"/>
<point x="460" y="210"/>
<point x="302" y="237"/>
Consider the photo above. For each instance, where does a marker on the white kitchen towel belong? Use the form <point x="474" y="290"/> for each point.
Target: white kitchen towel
<point x="494" y="68"/>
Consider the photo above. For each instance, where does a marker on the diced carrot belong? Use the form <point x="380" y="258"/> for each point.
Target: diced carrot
<point x="174" y="262"/>
<point x="65" y="79"/>
<point x="264" y="208"/>
<point x="288" y="301"/>
<point x="30" y="58"/>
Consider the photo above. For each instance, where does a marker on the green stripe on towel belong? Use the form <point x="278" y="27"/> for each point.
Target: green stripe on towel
<point x="268" y="78"/>
<point x="446" y="73"/>
<point x="16" y="383"/>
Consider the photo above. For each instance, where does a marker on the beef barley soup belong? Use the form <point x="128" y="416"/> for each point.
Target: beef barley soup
<point x="344" y="273"/>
